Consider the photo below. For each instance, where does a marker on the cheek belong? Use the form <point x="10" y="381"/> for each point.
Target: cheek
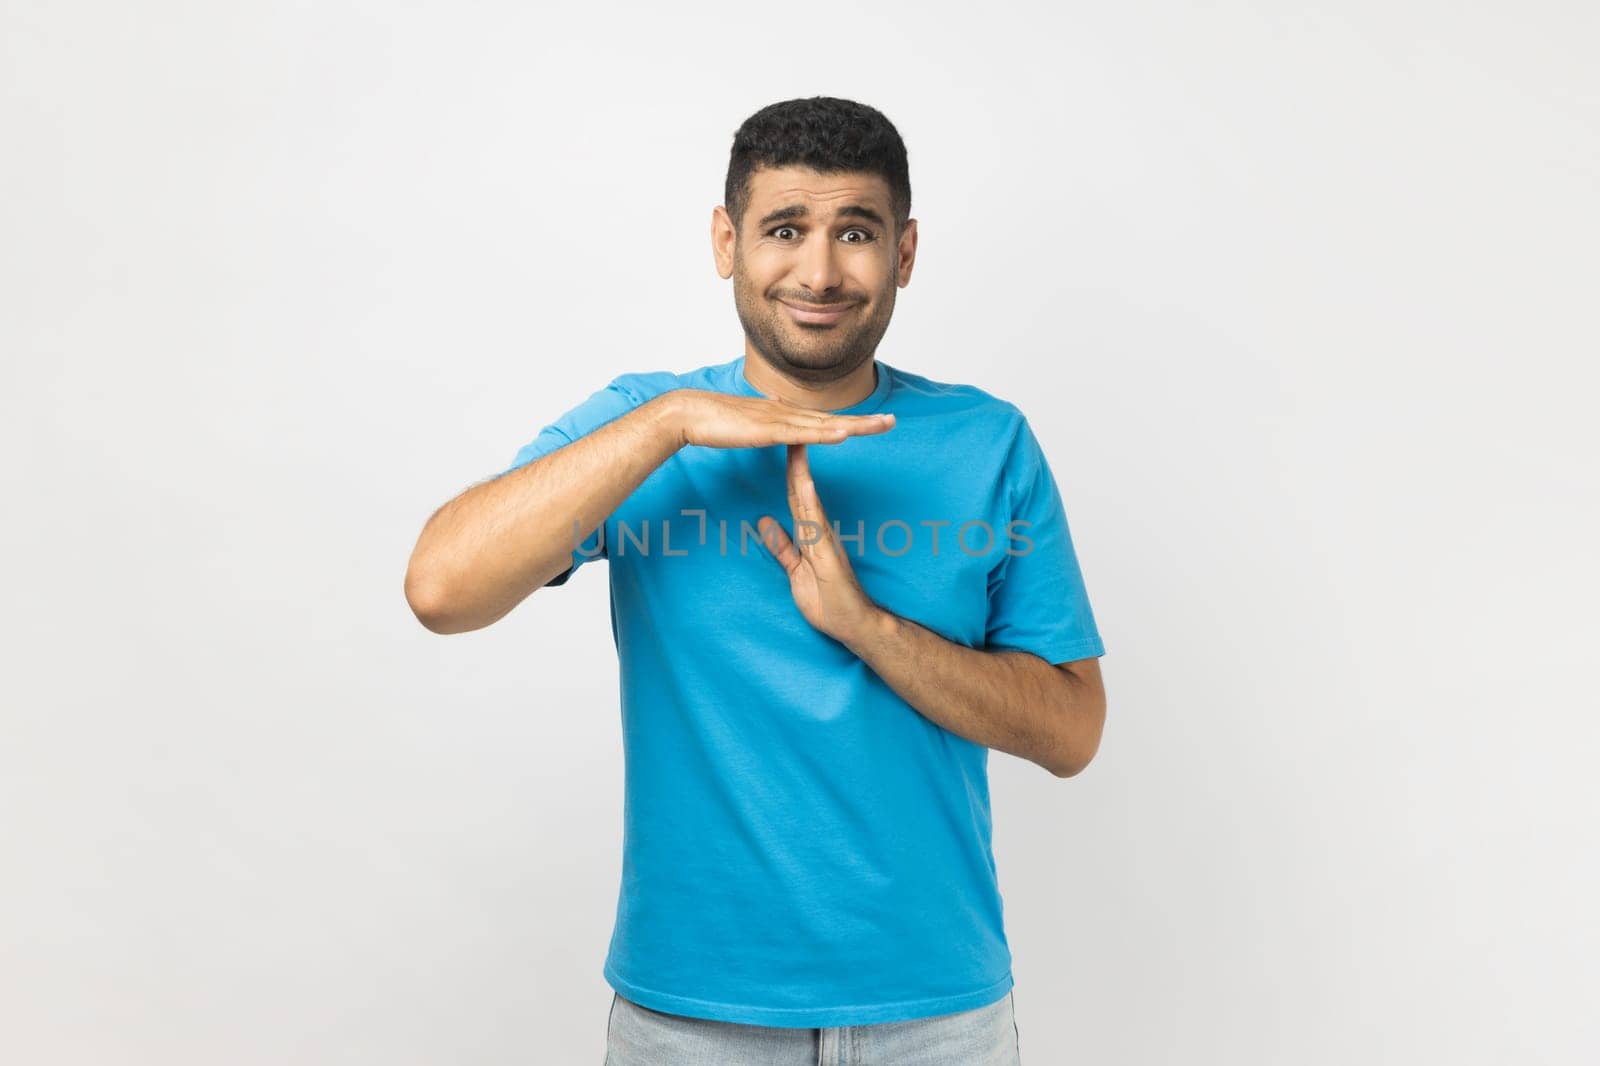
<point x="746" y="281"/>
<point x="753" y="275"/>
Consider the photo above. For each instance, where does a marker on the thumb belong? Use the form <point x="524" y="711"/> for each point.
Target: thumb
<point x="776" y="540"/>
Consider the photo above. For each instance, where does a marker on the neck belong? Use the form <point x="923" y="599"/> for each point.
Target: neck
<point x="833" y="395"/>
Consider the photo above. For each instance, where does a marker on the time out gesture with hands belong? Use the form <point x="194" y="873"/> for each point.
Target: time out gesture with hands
<point x="821" y="578"/>
<point x="718" y="420"/>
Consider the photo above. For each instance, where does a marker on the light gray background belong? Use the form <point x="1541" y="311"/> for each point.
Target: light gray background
<point x="1299" y="298"/>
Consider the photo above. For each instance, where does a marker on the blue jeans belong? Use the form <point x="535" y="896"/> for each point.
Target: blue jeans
<point x="984" y="1036"/>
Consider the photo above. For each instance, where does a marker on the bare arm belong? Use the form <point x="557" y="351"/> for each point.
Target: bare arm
<point x="485" y="551"/>
<point x="1049" y="714"/>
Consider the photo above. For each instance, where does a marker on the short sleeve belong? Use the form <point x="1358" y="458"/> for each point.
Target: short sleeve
<point x="609" y="403"/>
<point x="1037" y="599"/>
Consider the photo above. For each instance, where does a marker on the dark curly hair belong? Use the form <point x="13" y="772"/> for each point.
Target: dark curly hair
<point x="827" y="134"/>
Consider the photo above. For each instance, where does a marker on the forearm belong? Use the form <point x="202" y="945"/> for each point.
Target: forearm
<point x="1010" y="700"/>
<point x="485" y="551"/>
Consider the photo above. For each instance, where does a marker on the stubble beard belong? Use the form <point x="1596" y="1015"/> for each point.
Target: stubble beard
<point x="815" y="355"/>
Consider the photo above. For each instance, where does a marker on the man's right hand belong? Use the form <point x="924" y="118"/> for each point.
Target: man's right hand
<point x="718" y="420"/>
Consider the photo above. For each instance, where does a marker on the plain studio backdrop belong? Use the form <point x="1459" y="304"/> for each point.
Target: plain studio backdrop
<point x="1300" y="299"/>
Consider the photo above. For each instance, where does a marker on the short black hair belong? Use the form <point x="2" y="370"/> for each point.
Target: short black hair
<point x="826" y="134"/>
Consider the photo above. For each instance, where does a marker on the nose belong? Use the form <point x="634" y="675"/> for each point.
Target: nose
<point x="818" y="268"/>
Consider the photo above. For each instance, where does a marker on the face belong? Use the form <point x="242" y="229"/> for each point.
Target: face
<point x="815" y="265"/>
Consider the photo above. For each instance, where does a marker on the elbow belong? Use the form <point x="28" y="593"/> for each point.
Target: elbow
<point x="440" y="605"/>
<point x="1079" y="748"/>
<point x="1073" y="766"/>
<point x="1072" y="769"/>
<point x="427" y="603"/>
<point x="430" y="601"/>
<point x="427" y="590"/>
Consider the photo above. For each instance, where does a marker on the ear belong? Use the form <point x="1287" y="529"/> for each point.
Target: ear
<point x="907" y="251"/>
<point x="723" y="238"/>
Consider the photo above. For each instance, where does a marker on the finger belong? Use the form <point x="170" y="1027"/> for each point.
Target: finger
<point x="861" y="425"/>
<point x="795" y="433"/>
<point x="875" y="423"/>
<point x="778" y="543"/>
<point x="806" y="505"/>
<point x="856" y="425"/>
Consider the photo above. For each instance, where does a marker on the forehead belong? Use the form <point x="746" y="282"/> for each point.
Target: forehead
<point x="774" y="187"/>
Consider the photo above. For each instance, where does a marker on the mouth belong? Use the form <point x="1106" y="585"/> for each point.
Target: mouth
<point x="821" y="315"/>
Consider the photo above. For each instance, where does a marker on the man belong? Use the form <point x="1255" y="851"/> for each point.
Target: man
<point x="807" y="710"/>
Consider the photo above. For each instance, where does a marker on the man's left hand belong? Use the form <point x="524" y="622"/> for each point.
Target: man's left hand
<point x="821" y="578"/>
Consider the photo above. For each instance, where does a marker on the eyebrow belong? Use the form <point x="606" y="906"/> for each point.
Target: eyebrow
<point x="794" y="211"/>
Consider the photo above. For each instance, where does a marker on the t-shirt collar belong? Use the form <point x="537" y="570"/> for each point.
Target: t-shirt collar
<point x="871" y="402"/>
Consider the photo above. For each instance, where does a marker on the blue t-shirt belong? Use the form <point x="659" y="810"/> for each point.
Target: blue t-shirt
<point x="801" y="846"/>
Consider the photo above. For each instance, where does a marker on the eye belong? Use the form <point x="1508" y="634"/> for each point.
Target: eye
<point x="867" y="236"/>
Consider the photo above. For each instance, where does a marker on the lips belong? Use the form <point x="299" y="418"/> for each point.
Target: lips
<point x="822" y="314"/>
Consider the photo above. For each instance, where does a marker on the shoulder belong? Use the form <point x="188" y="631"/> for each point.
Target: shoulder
<point x="983" y="416"/>
<point x="642" y="385"/>
<point x="986" y="424"/>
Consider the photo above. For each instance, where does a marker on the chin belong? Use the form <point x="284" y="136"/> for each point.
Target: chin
<point x="803" y="356"/>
